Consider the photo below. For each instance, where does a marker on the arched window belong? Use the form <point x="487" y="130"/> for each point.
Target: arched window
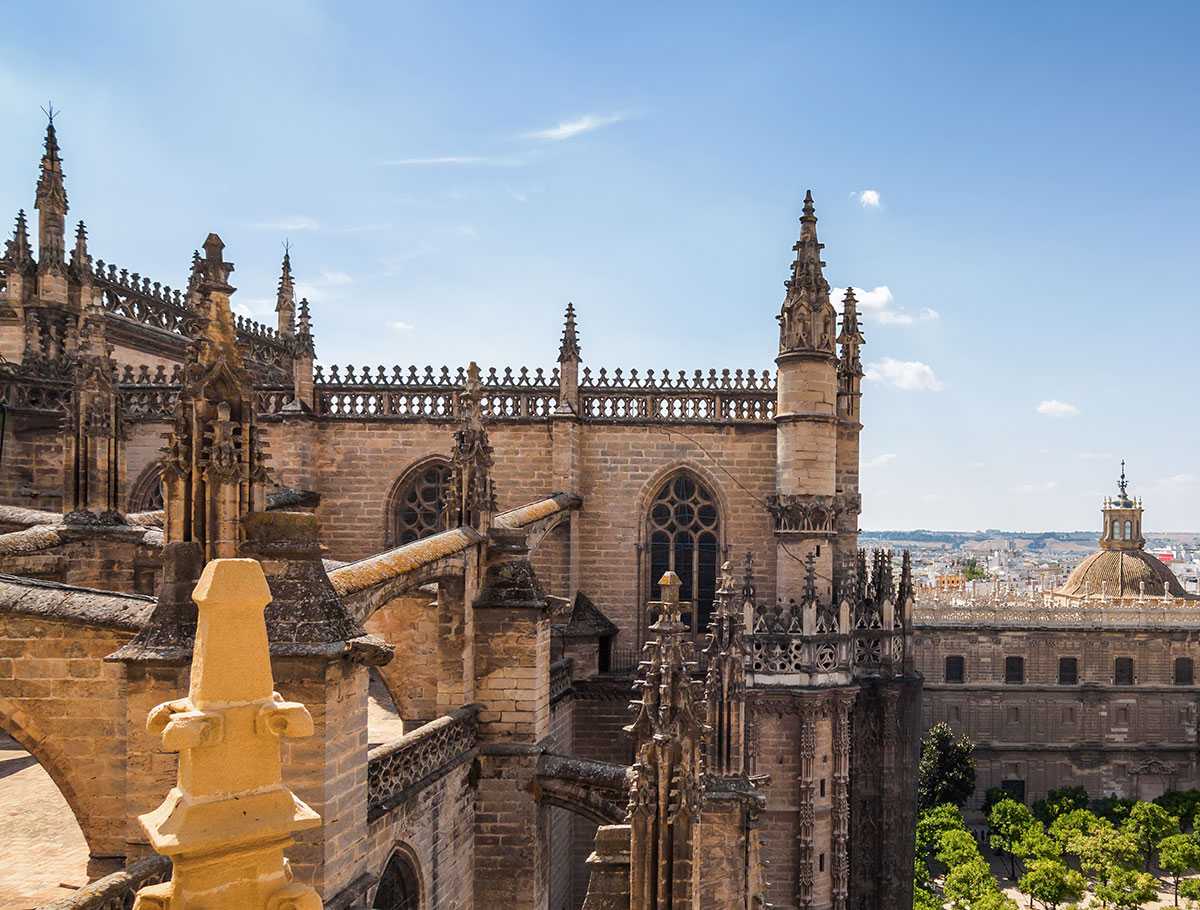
<point x="417" y="503"/>
<point x="399" y="889"/>
<point x="684" y="537"/>
<point x="1129" y="530"/>
<point x="147" y="495"/>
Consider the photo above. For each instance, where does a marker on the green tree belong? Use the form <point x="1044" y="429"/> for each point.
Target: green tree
<point x="971" y="886"/>
<point x="956" y="848"/>
<point x="1126" y="889"/>
<point x="991" y="796"/>
<point x="1178" y="854"/>
<point x="1059" y="802"/>
<point x="973" y="571"/>
<point x="1078" y="821"/>
<point x="1103" y="852"/>
<point x="930" y="825"/>
<point x="1007" y="824"/>
<point x="1035" y="843"/>
<point x="946" y="772"/>
<point x="1114" y="808"/>
<point x="1050" y="883"/>
<point x="1180" y="803"/>
<point x="1147" y="825"/>
<point x="1190" y="890"/>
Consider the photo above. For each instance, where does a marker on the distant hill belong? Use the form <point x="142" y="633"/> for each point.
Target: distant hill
<point x="991" y="538"/>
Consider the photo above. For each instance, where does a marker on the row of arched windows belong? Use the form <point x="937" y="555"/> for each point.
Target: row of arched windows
<point x="682" y="530"/>
<point x="1117" y="533"/>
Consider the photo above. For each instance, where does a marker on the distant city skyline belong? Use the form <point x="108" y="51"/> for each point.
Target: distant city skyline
<point x="1012" y="191"/>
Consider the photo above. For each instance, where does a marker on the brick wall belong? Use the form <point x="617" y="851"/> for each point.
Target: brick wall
<point x="409" y="624"/>
<point x="101" y="562"/>
<point x="60" y="701"/>
<point x="435" y="827"/>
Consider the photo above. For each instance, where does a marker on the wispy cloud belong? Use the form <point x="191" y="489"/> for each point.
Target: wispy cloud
<point x="1055" y="408"/>
<point x="319" y="289"/>
<point x="1178" y="481"/>
<point x="569" y="129"/>
<point x="868" y="199"/>
<point x="878" y="304"/>
<point x="880" y="461"/>
<point x="909" y="375"/>
<point x="288" y="223"/>
<point x="442" y="161"/>
<point x="330" y="278"/>
<point x="400" y="325"/>
<point x="1030" y="488"/>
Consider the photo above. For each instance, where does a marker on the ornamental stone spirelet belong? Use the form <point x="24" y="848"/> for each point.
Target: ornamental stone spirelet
<point x="227" y="820"/>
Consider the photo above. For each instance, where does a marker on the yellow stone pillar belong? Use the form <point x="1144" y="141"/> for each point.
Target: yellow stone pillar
<point x="228" y="819"/>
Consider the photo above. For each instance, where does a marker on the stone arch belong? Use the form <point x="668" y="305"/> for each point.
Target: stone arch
<point x="146" y="493"/>
<point x="414" y="503"/>
<point x="596" y="790"/>
<point x="683" y="526"/>
<point x="400" y="886"/>
<point x="25" y="730"/>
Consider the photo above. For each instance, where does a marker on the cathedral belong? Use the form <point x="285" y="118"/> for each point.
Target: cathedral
<point x="638" y="655"/>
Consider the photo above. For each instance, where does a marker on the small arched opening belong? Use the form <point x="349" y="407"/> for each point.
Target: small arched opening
<point x="146" y="495"/>
<point x="400" y="886"/>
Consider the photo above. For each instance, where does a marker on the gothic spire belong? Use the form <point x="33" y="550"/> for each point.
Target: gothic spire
<point x="806" y="321"/>
<point x="51" y="203"/>
<point x="17" y="251"/>
<point x="471" y="494"/>
<point x="285" y="297"/>
<point x="80" y="260"/>
<point x="569" y="348"/>
<point x="851" y="337"/>
<point x="304" y="321"/>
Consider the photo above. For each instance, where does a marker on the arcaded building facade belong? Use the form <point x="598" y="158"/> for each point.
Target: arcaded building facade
<point x="1093" y="684"/>
<point x="517" y="552"/>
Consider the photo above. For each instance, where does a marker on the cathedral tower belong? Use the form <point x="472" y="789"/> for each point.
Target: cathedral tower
<point x="806" y="419"/>
<point x="849" y="428"/>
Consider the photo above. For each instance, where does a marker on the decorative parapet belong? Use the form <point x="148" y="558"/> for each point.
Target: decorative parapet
<point x="398" y="769"/>
<point x="151" y="304"/>
<point x="425" y="394"/>
<point x="560" y="679"/>
<point x="116" y="891"/>
<point x="723" y="397"/>
<point x="805" y="514"/>
<point x="864" y="630"/>
<point x="1047" y="611"/>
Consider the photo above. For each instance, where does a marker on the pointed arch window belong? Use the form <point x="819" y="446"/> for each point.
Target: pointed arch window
<point x="417" y="502"/>
<point x="147" y="494"/>
<point x="683" y="536"/>
<point x="399" y="888"/>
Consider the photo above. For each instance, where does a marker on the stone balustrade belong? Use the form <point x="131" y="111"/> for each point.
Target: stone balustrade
<point x="396" y="769"/>
<point x="1045" y="611"/>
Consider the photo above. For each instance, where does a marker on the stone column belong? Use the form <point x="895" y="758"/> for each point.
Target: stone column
<point x="840" y="859"/>
<point x="226" y="822"/>
<point x="512" y="685"/>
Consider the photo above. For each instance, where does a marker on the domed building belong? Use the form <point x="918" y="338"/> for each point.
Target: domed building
<point x="1122" y="570"/>
<point x="1092" y="684"/>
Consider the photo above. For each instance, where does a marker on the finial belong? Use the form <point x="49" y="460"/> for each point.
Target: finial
<point x="569" y="348"/>
<point x="79" y="256"/>
<point x="473" y="378"/>
<point x="810" y="577"/>
<point x="810" y="210"/>
<point x="304" y="319"/>
<point x="1123" y="484"/>
<point x="49" y="111"/>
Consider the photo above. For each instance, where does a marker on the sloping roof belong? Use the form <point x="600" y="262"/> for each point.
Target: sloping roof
<point x="587" y="620"/>
<point x="51" y="600"/>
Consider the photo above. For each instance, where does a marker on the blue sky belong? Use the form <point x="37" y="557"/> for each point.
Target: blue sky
<point x="450" y="175"/>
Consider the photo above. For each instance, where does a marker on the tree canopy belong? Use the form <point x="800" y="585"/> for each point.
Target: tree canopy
<point x="946" y="772"/>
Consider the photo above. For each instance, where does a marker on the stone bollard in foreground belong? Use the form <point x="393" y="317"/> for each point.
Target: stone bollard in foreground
<point x="227" y="820"/>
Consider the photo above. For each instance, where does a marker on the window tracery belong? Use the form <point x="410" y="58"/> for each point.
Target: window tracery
<point x="683" y="536"/>
<point x="399" y="888"/>
<point x="418" y="503"/>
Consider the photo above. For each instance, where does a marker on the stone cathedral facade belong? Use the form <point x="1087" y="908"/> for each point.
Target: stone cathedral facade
<point x="538" y="563"/>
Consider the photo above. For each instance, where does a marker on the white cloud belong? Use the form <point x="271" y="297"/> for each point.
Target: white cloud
<point x="1179" y="480"/>
<point x="438" y="161"/>
<point x="330" y="279"/>
<point x="400" y="326"/>
<point x="1055" y="408"/>
<point x="880" y="461"/>
<point x="1030" y="488"/>
<point x="909" y="375"/>
<point x="895" y="317"/>
<point x="466" y="230"/>
<point x="868" y="199"/>
<point x="569" y="129"/>
<point x="878" y="304"/>
<point x="289" y="223"/>
<point x="928" y="314"/>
